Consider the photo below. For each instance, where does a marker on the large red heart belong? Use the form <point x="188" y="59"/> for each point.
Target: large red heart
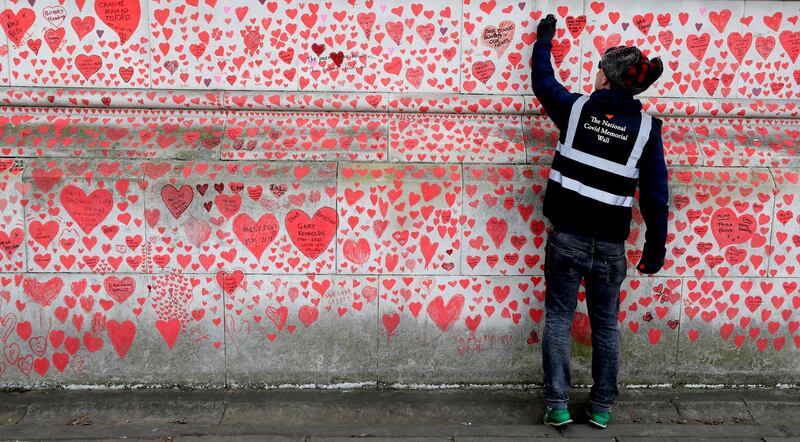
<point x="88" y="64"/>
<point x="228" y="282"/>
<point x="256" y="235"/>
<point x="87" y="211"/>
<point x="177" y="200"/>
<point x="16" y="25"/>
<point x="312" y="235"/>
<point x="169" y="330"/>
<point x="122" y="335"/>
<point x="444" y="316"/>
<point x="119" y="289"/>
<point x="43" y="293"/>
<point x="730" y="229"/>
<point x="120" y="15"/>
<point x="9" y="243"/>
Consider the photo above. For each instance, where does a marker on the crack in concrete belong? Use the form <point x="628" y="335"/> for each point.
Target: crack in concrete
<point x="224" y="411"/>
<point x="749" y="413"/>
<point x="25" y="413"/>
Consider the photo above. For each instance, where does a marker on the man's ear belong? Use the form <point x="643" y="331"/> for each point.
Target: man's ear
<point x="604" y="80"/>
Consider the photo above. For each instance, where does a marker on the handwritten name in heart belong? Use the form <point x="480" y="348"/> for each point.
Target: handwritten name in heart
<point x="122" y="16"/>
<point x="499" y="37"/>
<point x="88" y="211"/>
<point x="731" y="229"/>
<point x="312" y="235"/>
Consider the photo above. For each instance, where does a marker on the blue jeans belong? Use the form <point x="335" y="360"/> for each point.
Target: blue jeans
<point x="568" y="259"/>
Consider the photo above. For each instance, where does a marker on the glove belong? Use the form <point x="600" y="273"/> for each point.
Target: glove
<point x="547" y="28"/>
<point x="652" y="259"/>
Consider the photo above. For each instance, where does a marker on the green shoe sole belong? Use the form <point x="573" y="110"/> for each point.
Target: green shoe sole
<point x="564" y="416"/>
<point x="558" y="424"/>
<point x="598" y="421"/>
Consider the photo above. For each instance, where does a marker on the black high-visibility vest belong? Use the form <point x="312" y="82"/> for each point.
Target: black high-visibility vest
<point x="599" y="157"/>
<point x="595" y="172"/>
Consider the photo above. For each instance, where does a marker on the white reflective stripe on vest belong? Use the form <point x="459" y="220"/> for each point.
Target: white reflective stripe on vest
<point x="600" y="163"/>
<point x="628" y="170"/>
<point x="590" y="192"/>
<point x="641" y="140"/>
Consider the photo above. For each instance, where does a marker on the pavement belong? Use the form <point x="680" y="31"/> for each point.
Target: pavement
<point x="463" y="415"/>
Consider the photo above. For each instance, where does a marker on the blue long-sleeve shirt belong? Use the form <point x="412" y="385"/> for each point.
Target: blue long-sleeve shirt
<point x="653" y="190"/>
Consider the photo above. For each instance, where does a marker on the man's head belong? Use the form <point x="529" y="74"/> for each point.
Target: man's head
<point x="627" y="68"/>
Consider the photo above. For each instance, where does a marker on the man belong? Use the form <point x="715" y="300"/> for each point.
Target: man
<point x="607" y="146"/>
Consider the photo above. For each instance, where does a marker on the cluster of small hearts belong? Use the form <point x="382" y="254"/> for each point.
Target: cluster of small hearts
<point x="69" y="218"/>
<point x="154" y="100"/>
<point x="82" y="54"/>
<point x="279" y="217"/>
<point x="49" y="323"/>
<point x="389" y="46"/>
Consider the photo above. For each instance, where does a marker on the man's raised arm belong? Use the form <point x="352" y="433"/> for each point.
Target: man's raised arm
<point x="555" y="98"/>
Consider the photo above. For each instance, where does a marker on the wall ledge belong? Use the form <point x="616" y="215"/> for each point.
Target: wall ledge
<point x="368" y="102"/>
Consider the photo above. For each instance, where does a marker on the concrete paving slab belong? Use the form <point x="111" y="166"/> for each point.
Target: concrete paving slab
<point x="645" y="412"/>
<point x="773" y="413"/>
<point x="287" y="408"/>
<point x="262" y="218"/>
<point x="382" y="439"/>
<point x="441" y="138"/>
<point x="159" y="438"/>
<point x="422" y="233"/>
<point x="504" y="228"/>
<point x="372" y="431"/>
<point x="532" y="439"/>
<point x="11" y="414"/>
<point x="464" y="414"/>
<point x="691" y="439"/>
<point x="290" y="136"/>
<point x="792" y="430"/>
<point x="93" y="329"/>
<point x="259" y="438"/>
<point x="95" y="432"/>
<point x="112" y="408"/>
<point x="715" y="412"/>
<point x="675" y="430"/>
<point x="736" y="328"/>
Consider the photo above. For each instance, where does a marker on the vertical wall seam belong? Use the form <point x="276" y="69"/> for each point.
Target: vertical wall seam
<point x="677" y="368"/>
<point x="461" y="66"/>
<point x="8" y="50"/>
<point x="148" y="33"/>
<point x="738" y="72"/>
<point x="771" y="254"/>
<point x="225" y="115"/>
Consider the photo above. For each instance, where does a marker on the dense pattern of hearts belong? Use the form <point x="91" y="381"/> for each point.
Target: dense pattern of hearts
<point x="471" y="46"/>
<point x="137" y="223"/>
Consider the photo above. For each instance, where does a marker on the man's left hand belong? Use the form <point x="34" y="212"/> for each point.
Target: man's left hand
<point x="652" y="260"/>
<point x="547" y="28"/>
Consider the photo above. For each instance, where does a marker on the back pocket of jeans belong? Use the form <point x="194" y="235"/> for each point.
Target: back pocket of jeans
<point x="616" y="269"/>
<point x="559" y="261"/>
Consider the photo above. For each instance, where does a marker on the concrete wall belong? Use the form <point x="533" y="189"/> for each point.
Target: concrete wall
<point x="289" y="193"/>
